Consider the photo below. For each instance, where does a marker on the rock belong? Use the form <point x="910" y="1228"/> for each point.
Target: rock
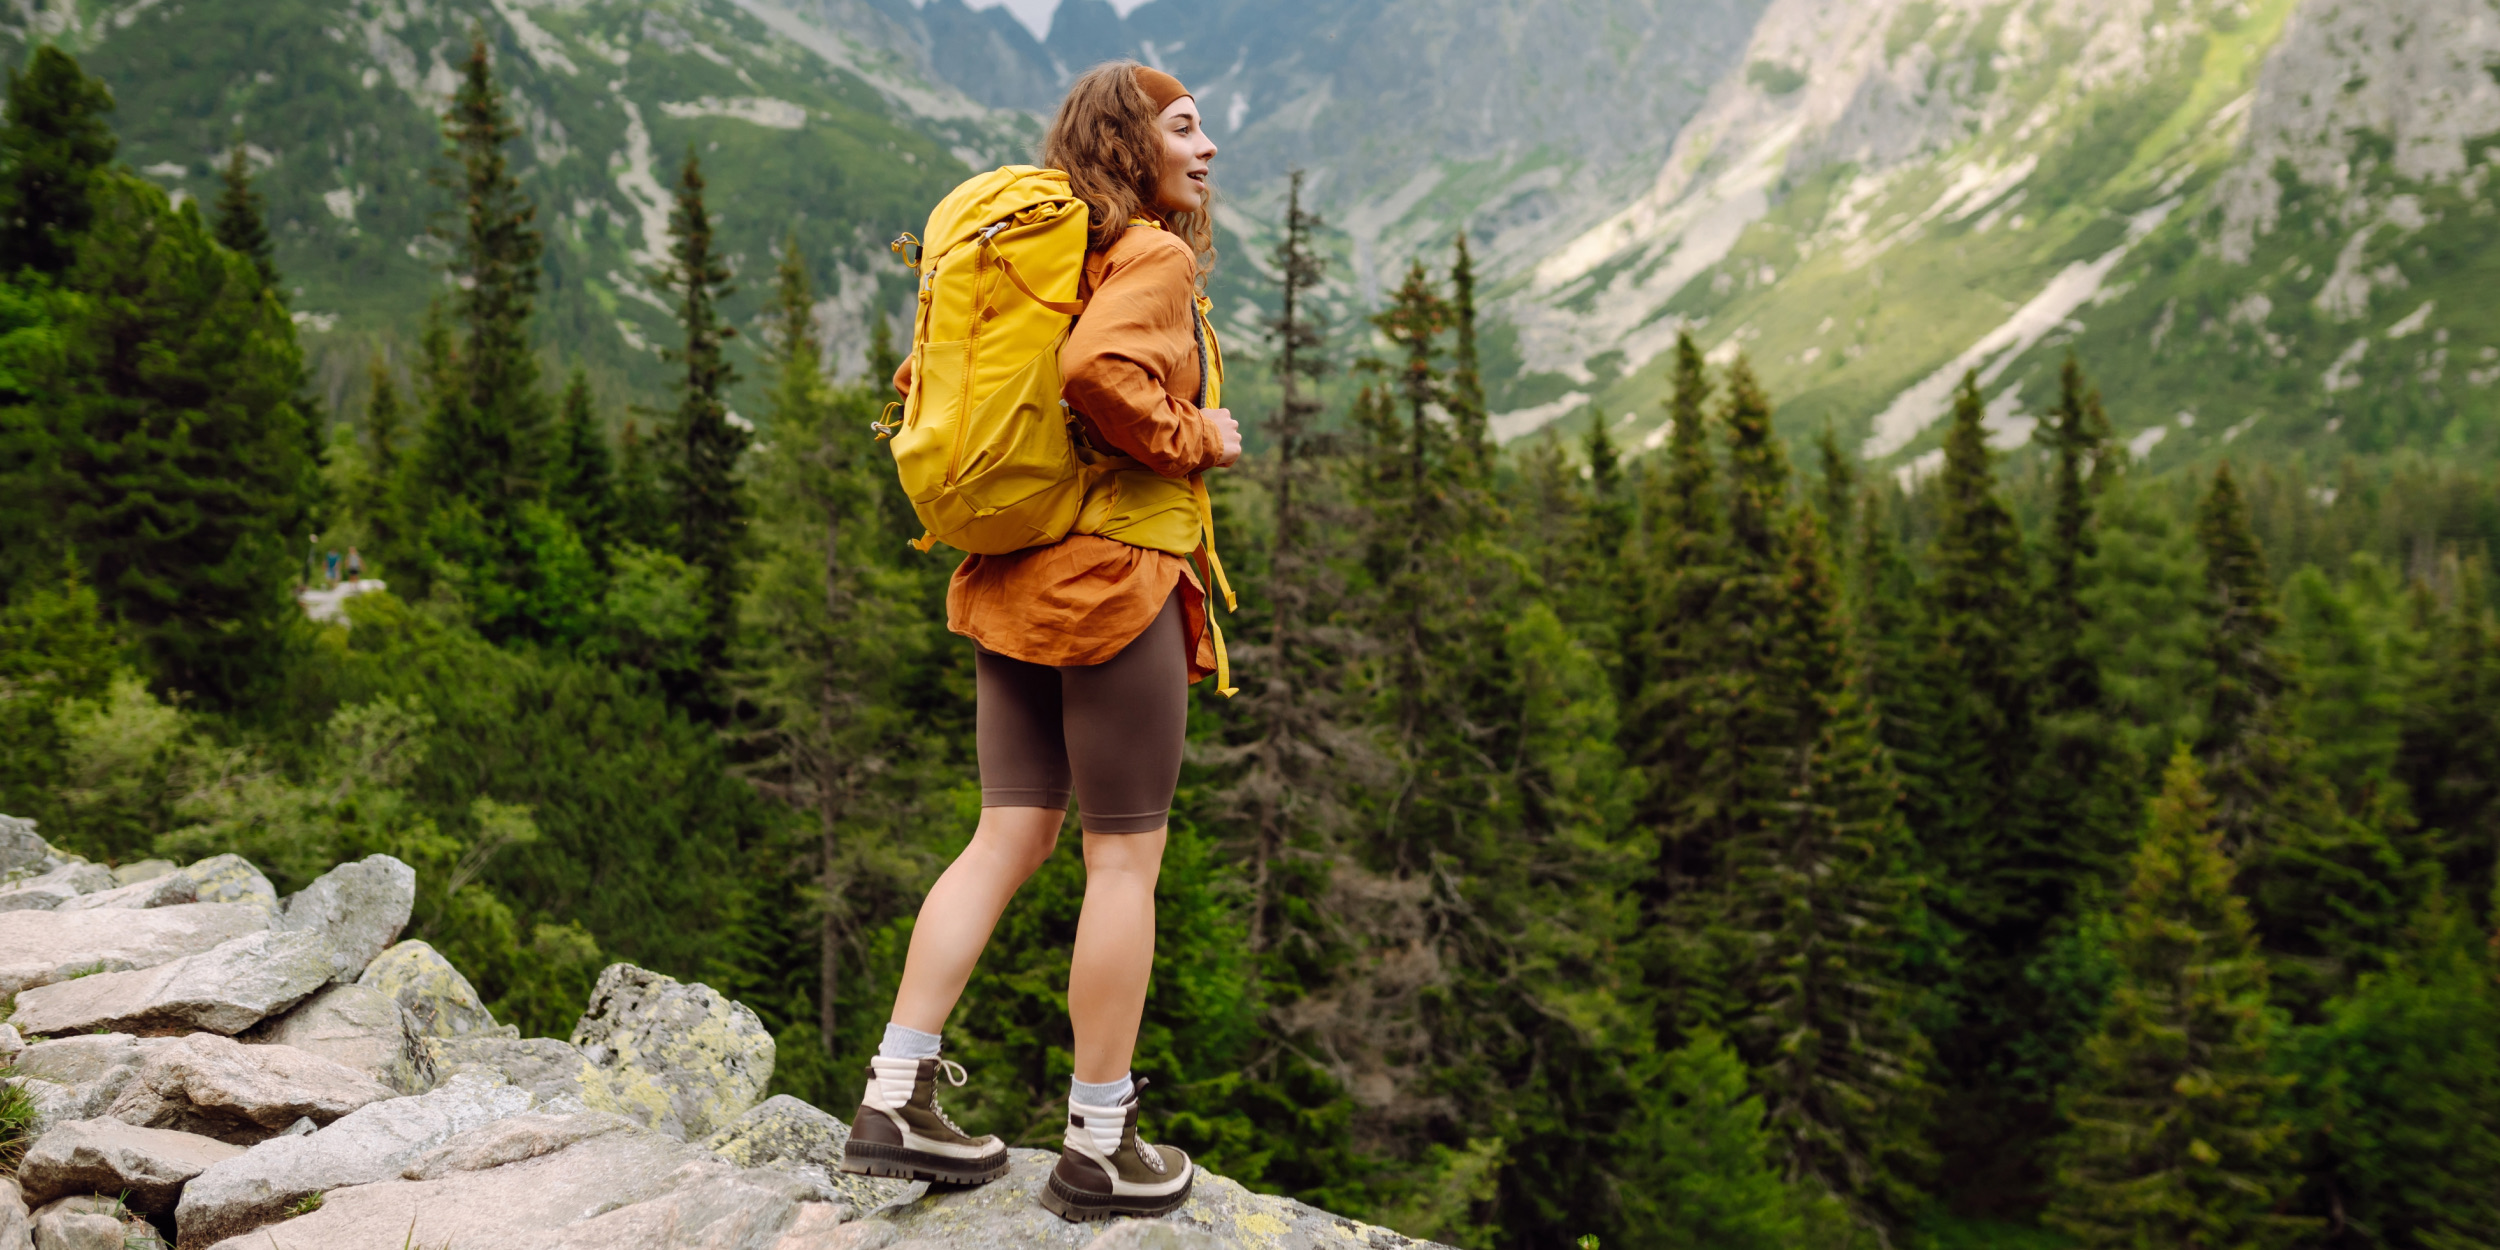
<point x="441" y="1000"/>
<point x="144" y="870"/>
<point x="1007" y="1214"/>
<point x="76" y="1078"/>
<point x="24" y="853"/>
<point x="711" y="1208"/>
<point x="819" y="1226"/>
<point x="359" y="907"/>
<point x="17" y="1228"/>
<point x="218" y="1087"/>
<point x="43" y="947"/>
<point x="782" y="1131"/>
<point x="11" y="1042"/>
<point x="1154" y="1235"/>
<point x="512" y="1207"/>
<point x="359" y="1027"/>
<point x="233" y="879"/>
<point x="544" y="1066"/>
<point x="224" y="990"/>
<point x="55" y="887"/>
<point x="165" y="891"/>
<point x="679" y="1058"/>
<point x="80" y="1223"/>
<point x="147" y="1166"/>
<point x="512" y="1141"/>
<point x="371" y="1144"/>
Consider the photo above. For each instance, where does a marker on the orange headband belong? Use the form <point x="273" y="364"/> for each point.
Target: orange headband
<point x="1159" y="87"/>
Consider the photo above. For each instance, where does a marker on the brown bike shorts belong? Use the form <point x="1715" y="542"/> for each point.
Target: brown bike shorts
<point x="1111" y="732"/>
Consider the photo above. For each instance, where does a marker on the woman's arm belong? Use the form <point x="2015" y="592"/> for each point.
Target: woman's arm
<point x="1136" y="333"/>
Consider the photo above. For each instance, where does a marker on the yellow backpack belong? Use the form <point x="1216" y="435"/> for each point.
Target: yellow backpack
<point x="984" y="445"/>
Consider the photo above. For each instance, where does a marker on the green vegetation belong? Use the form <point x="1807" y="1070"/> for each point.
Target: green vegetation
<point x="1661" y="850"/>
<point x="17" y="1118"/>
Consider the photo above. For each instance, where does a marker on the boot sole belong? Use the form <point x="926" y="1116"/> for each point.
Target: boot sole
<point x="903" y="1163"/>
<point x="1079" y="1207"/>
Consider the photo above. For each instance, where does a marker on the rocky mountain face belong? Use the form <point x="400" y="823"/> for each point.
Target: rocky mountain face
<point x="199" y="1062"/>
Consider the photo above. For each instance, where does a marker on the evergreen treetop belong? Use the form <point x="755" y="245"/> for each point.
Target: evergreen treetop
<point x="242" y="218"/>
<point x="702" y="475"/>
<point x="53" y="144"/>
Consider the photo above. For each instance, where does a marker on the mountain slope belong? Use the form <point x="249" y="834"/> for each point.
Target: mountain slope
<point x="801" y="132"/>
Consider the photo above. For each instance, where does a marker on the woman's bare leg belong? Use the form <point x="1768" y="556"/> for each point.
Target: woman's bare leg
<point x="955" y="920"/>
<point x="1115" y="951"/>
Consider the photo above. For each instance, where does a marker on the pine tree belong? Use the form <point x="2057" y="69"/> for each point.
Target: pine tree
<point x="486" y="441"/>
<point x="583" y="477"/>
<point x="2179" y="1133"/>
<point x="242" y="218"/>
<point x="2329" y="892"/>
<point x="1465" y="394"/>
<point x="1699" y="1159"/>
<point x="1670" y="647"/>
<point x="711" y="505"/>
<point x="54" y="144"/>
<point x="2449" y="755"/>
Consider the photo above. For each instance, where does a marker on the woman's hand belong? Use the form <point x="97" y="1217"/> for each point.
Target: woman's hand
<point x="1229" y="431"/>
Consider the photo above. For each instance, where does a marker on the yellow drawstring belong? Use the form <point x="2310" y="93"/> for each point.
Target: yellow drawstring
<point x="1214" y="568"/>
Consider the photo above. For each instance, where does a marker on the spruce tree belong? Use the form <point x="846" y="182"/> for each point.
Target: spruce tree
<point x="583" y="477"/>
<point x="378" y="500"/>
<point x="2449" y="755"/>
<point x="186" y="472"/>
<point x="1836" y="493"/>
<point x="53" y="144"/>
<point x="242" y="218"/>
<point x="1670" y="647"/>
<point x="2329" y="891"/>
<point x="486" y="440"/>
<point x="2180" y="1135"/>
<point x="1464" y="396"/>
<point x="710" y="501"/>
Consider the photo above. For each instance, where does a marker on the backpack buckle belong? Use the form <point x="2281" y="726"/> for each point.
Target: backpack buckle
<point x="906" y="246"/>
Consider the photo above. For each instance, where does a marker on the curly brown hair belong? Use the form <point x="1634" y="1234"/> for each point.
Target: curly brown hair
<point x="1106" y="140"/>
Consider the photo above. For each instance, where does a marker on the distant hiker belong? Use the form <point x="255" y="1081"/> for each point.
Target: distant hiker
<point x="1089" y="624"/>
<point x="333" y="568"/>
<point x="355" y="566"/>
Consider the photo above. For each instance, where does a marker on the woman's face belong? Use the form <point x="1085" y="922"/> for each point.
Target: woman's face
<point x="1182" y="187"/>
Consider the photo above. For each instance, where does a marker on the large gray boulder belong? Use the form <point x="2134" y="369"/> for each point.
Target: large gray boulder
<point x="169" y="890"/>
<point x="1007" y="1214"/>
<point x="147" y="1166"/>
<point x="41" y="947"/>
<point x="783" y="1132"/>
<point x="621" y="1187"/>
<point x="442" y="1001"/>
<point x="24" y="853"/>
<point x="61" y="885"/>
<point x="676" y="1057"/>
<point x="77" y="1078"/>
<point x="358" y="1027"/>
<point x="232" y="879"/>
<point x="372" y="1144"/>
<point x="359" y="907"/>
<point x="82" y="1222"/>
<point x="545" y="1067"/>
<point x="144" y="870"/>
<point x="17" y="1227"/>
<point x="218" y="1087"/>
<point x="224" y="990"/>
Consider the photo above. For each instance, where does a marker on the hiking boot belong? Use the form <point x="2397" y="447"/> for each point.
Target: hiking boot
<point x="900" y="1131"/>
<point x="1132" y="1178"/>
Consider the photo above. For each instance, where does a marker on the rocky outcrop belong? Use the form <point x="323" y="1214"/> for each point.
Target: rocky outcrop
<point x="146" y="1166"/>
<point x="370" y="1098"/>
<point x="435" y="995"/>
<point x="679" y="1058"/>
<point x="223" y="990"/>
<point x="43" y="947"/>
<point x="359" y="1028"/>
<point x="358" y="909"/>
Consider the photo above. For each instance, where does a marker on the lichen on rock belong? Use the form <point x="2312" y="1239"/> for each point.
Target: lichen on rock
<point x="677" y="1057"/>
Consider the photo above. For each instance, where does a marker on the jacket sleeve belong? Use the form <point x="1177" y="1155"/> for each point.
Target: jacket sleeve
<point x="1115" y="370"/>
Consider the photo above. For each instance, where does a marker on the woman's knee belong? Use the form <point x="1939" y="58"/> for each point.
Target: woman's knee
<point x="1021" y="838"/>
<point x="1126" y="854"/>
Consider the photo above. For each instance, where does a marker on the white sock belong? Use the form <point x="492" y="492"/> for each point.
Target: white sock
<point x="904" y="1042"/>
<point x="1100" y="1106"/>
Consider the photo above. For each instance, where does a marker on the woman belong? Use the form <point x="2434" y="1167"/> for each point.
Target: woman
<point x="1085" y="650"/>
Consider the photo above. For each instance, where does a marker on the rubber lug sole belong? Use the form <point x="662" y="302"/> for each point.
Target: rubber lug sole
<point x="903" y="1163"/>
<point x="1078" y="1206"/>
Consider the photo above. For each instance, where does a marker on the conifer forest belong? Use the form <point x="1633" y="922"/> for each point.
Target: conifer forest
<point x="1710" y="844"/>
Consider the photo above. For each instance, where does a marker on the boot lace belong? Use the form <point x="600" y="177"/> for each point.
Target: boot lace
<point x="955" y="1076"/>
<point x="1146" y="1154"/>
